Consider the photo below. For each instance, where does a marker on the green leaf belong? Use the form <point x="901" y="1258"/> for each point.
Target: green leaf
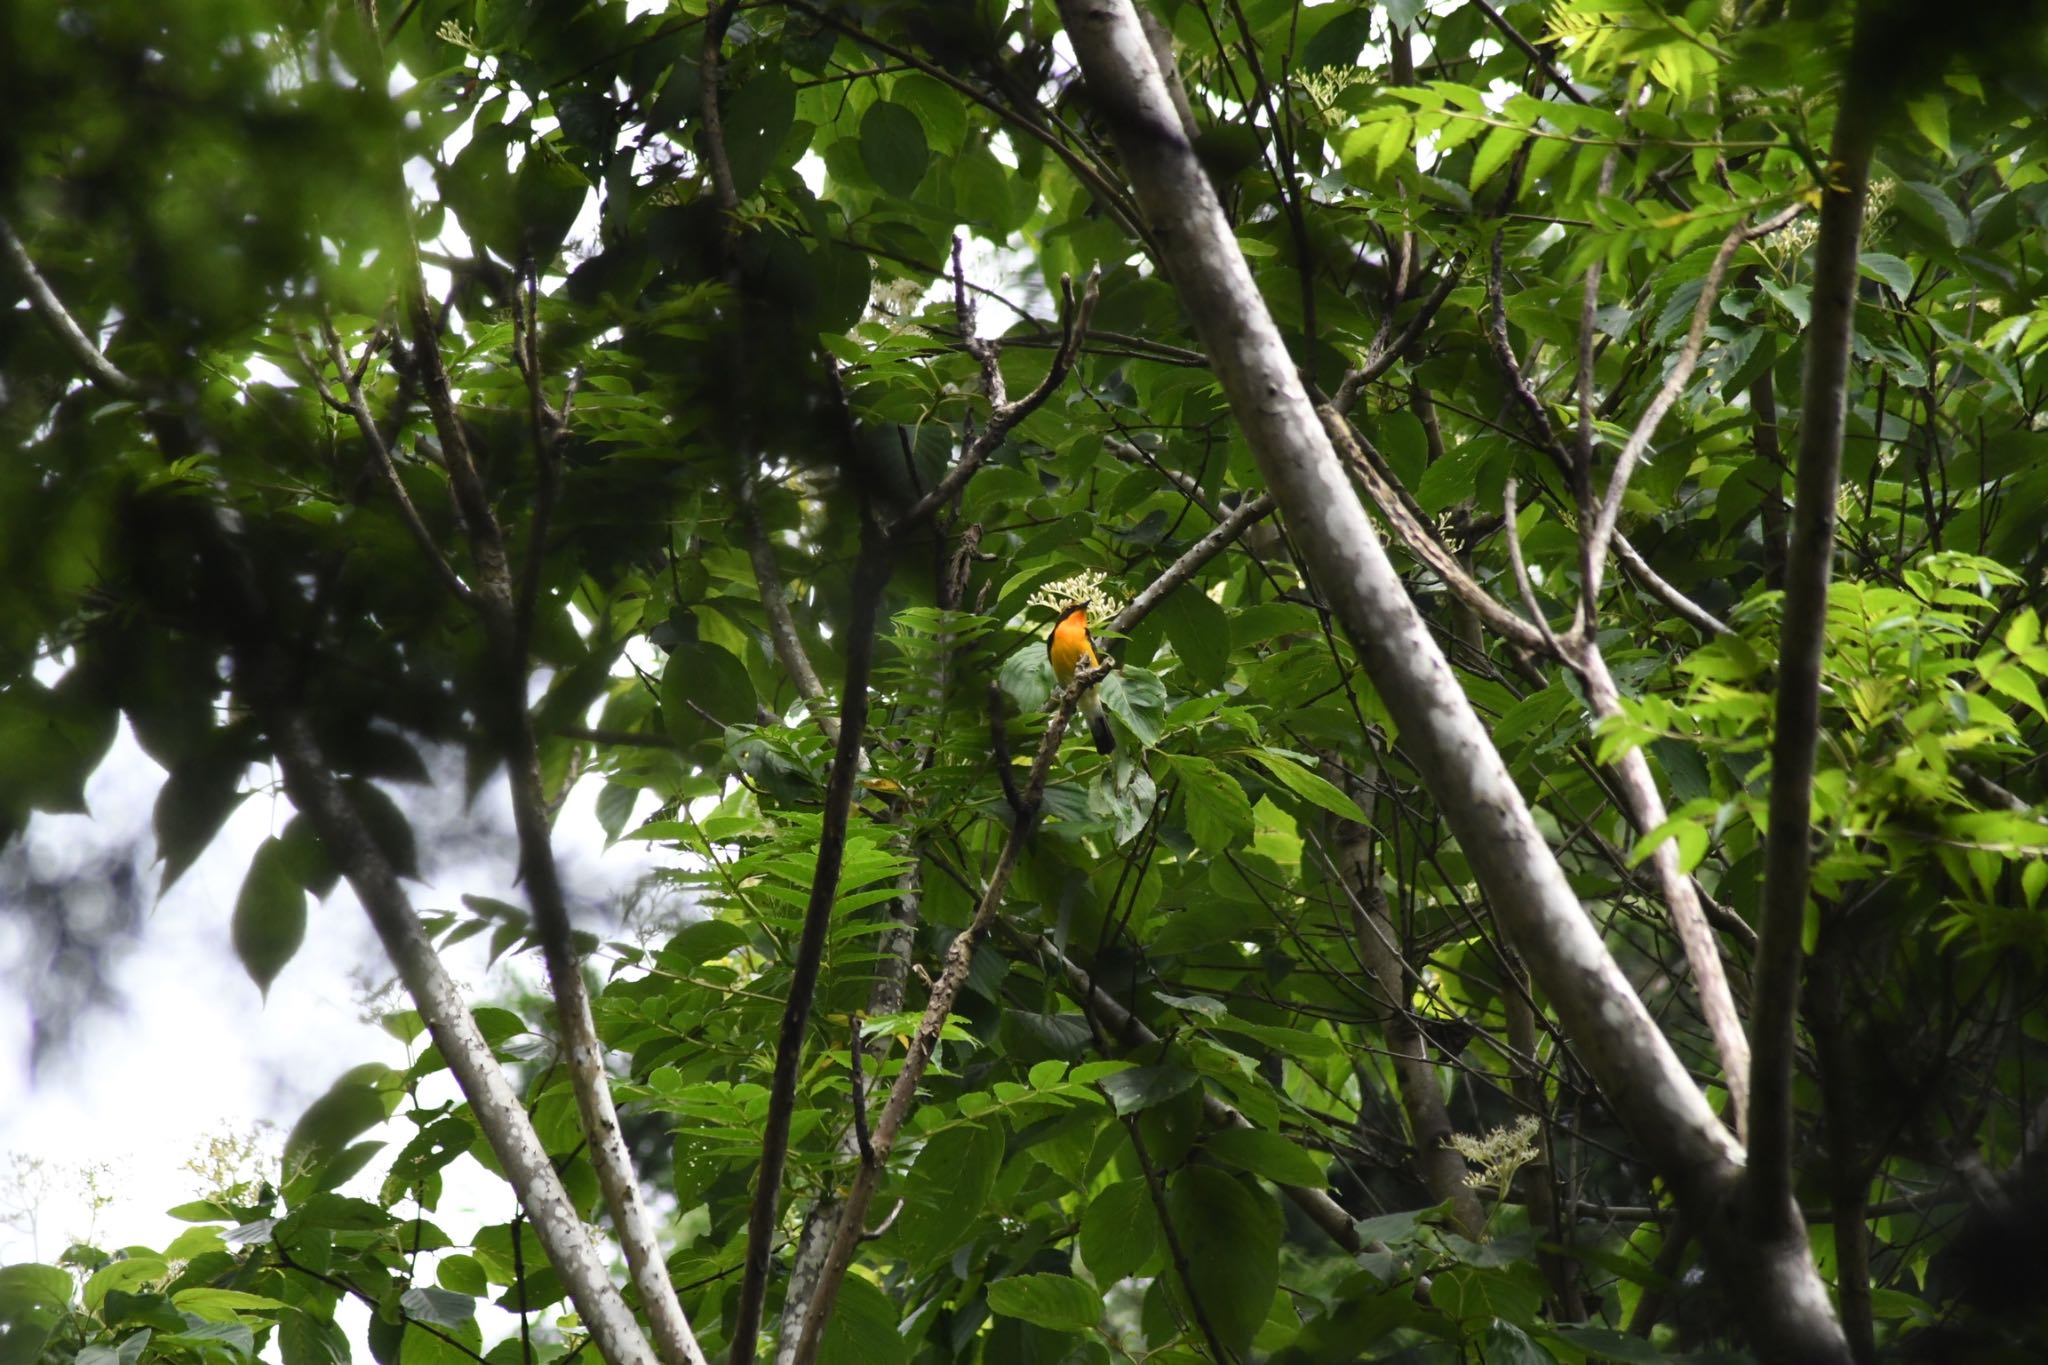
<point x="125" y="1276"/>
<point x="1119" y="1231"/>
<point x="1230" y="1235"/>
<point x="305" y="1339"/>
<point x="221" y="1305"/>
<point x="1310" y="786"/>
<point x="946" y="1188"/>
<point x="195" y="802"/>
<point x="1893" y="272"/>
<point x="1135" y="697"/>
<point x="703" y="690"/>
<point x="1494" y="151"/>
<point x="1219" y="814"/>
<point x="1269" y="1155"/>
<point x="1141" y="1087"/>
<point x="1930" y="116"/>
<point x="757" y="119"/>
<point x="893" y="148"/>
<point x="1059" y="1302"/>
<point x="863" y="1329"/>
<point x="363" y="1098"/>
<point x="1199" y="631"/>
<point x="438" y="1306"/>
<point x="270" y="914"/>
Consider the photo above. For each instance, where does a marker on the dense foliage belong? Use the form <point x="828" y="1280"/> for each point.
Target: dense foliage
<point x="696" y="303"/>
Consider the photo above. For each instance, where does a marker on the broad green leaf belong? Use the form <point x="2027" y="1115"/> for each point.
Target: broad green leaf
<point x="892" y="147"/>
<point x="1218" y="813"/>
<point x="1059" y="1302"/>
<point x="703" y="690"/>
<point x="1119" y="1231"/>
<point x="1311" y="786"/>
<point x="1229" y="1232"/>
<point x="270" y="914"/>
<point x="1269" y="1155"/>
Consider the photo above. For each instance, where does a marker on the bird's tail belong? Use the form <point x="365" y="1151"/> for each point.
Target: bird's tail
<point x="1098" y="723"/>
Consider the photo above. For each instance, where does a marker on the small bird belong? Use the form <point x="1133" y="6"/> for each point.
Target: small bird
<point x="1071" y="650"/>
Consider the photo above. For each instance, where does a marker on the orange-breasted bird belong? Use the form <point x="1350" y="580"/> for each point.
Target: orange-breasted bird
<point x="1071" y="650"/>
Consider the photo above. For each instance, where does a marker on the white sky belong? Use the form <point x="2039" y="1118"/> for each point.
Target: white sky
<point x="191" y="1050"/>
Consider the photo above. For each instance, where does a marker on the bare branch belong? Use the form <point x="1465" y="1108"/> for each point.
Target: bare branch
<point x="58" y="319"/>
<point x="1809" y="563"/>
<point x="1244" y="515"/>
<point x="789" y="647"/>
<point x="1074" y="317"/>
<point x="1384" y="358"/>
<point x="380" y="459"/>
<point x="1675" y="380"/>
<point x="871" y="579"/>
<point x="1520" y="567"/>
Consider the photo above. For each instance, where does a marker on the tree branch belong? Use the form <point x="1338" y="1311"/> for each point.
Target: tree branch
<point x="313" y="789"/>
<point x="871" y="578"/>
<point x="1639" y="1074"/>
<point x="1005" y="415"/>
<point x="925" y="1041"/>
<point x="380" y="460"/>
<point x="58" y="319"/>
<point x="1809" y="562"/>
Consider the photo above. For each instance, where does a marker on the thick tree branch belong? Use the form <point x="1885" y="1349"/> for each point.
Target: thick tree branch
<point x="313" y="788"/>
<point x="1809" y="563"/>
<point x="1640" y="1076"/>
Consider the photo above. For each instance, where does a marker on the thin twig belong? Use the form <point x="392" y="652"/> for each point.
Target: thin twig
<point x="1004" y="415"/>
<point x="58" y="319"/>
<point x="1379" y="361"/>
<point x="380" y="459"/>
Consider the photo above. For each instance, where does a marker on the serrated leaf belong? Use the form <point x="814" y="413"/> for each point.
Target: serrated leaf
<point x="1229" y="1233"/>
<point x="1218" y="812"/>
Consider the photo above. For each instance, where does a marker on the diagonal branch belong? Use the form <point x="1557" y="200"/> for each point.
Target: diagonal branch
<point x="1660" y="403"/>
<point x="1384" y="357"/>
<point x="1004" y="415"/>
<point x="58" y="319"/>
<point x="380" y="459"/>
<point x="925" y="1040"/>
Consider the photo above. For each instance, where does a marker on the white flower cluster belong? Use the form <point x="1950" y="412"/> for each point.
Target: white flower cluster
<point x="1499" y="1154"/>
<point x="1086" y="587"/>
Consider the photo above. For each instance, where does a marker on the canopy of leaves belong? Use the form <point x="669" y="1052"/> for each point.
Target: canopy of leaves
<point x="701" y="312"/>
